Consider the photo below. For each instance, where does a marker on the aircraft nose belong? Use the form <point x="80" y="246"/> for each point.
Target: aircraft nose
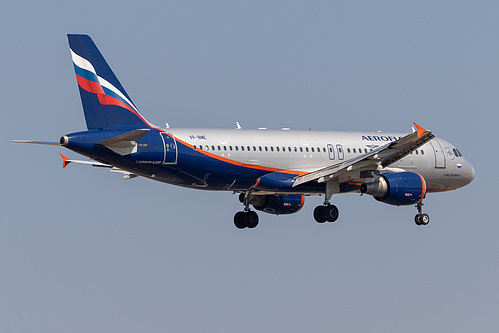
<point x="472" y="172"/>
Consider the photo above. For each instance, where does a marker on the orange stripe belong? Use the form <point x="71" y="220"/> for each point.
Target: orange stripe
<point x="301" y="203"/>
<point x="257" y="183"/>
<point x="424" y="188"/>
<point x="245" y="165"/>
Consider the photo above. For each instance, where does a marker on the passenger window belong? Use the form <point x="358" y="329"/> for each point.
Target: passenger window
<point x="236" y="148"/>
<point x="289" y="148"/>
<point x="266" y="149"/>
<point x="248" y="148"/>
<point x="207" y="148"/>
<point x="254" y="148"/>
<point x="422" y="152"/>
<point x="219" y="148"/>
<point x="277" y="148"/>
<point x="200" y="147"/>
<point x="301" y="149"/>
<point x="225" y="147"/>
<point x="306" y="149"/>
<point x="260" y="148"/>
<point x="348" y="150"/>
<point x="230" y="148"/>
<point x="212" y="147"/>
<point x="354" y="150"/>
<point x="324" y="149"/>
<point x="417" y="152"/>
<point x="312" y="149"/>
<point x="365" y="150"/>
<point x="271" y="148"/>
<point x="295" y="149"/>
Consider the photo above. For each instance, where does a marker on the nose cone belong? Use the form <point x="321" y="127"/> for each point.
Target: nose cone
<point x="472" y="172"/>
<point x="469" y="174"/>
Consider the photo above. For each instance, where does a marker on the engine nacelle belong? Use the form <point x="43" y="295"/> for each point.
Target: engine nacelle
<point x="399" y="188"/>
<point x="276" y="204"/>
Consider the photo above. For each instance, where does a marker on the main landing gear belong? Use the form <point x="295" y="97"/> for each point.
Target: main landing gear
<point x="421" y="218"/>
<point x="326" y="212"/>
<point x="246" y="218"/>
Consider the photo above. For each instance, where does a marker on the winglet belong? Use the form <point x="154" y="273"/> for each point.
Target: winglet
<point x="420" y="129"/>
<point x="65" y="161"/>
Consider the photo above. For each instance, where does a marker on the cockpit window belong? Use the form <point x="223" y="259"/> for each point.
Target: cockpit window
<point x="457" y="152"/>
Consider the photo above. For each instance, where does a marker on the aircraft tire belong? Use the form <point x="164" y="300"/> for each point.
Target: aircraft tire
<point x="251" y="219"/>
<point x="417" y="219"/>
<point x="330" y="213"/>
<point x="425" y="219"/>
<point x="319" y="215"/>
<point x="239" y="220"/>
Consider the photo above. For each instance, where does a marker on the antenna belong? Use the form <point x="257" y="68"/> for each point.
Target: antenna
<point x="238" y="126"/>
<point x="167" y="125"/>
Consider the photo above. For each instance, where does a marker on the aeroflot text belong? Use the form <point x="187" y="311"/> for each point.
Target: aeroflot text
<point x="379" y="138"/>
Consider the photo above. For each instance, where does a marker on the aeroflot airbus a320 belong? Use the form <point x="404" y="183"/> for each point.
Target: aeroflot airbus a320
<point x="272" y="170"/>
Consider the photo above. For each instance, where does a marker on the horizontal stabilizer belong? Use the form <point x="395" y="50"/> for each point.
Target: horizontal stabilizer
<point x="124" y="144"/>
<point x="37" y="142"/>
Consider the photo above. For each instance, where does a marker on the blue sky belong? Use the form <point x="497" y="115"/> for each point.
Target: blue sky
<point x="82" y="250"/>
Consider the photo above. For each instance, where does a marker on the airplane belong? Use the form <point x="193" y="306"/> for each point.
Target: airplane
<point x="271" y="170"/>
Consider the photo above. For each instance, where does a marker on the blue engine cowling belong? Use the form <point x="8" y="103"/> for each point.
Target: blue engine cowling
<point x="399" y="188"/>
<point x="277" y="204"/>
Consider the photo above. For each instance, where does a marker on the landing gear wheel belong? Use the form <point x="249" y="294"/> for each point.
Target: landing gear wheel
<point x="239" y="220"/>
<point x="330" y="213"/>
<point x="246" y="220"/>
<point x="318" y="214"/>
<point x="422" y="219"/>
<point x="251" y="219"/>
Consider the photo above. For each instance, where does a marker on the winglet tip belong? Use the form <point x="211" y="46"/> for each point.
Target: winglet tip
<point x="65" y="161"/>
<point x="420" y="129"/>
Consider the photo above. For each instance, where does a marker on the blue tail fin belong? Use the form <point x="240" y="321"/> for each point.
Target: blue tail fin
<point x="105" y="103"/>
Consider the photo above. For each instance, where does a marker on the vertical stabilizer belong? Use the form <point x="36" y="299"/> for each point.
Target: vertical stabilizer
<point x="105" y="102"/>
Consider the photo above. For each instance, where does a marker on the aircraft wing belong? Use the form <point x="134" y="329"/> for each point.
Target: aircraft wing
<point x="381" y="156"/>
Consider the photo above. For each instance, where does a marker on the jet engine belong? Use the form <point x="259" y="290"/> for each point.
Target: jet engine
<point x="399" y="188"/>
<point x="276" y="204"/>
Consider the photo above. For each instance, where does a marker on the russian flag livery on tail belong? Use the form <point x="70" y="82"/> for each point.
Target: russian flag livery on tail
<point x="272" y="171"/>
<point x="105" y="102"/>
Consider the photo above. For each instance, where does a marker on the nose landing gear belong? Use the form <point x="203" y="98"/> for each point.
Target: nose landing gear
<point x="421" y="218"/>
